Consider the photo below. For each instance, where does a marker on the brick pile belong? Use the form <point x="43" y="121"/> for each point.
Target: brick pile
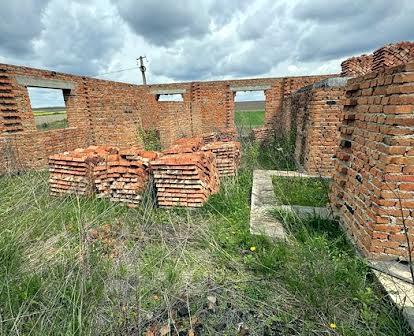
<point x="184" y="145"/>
<point x="261" y="133"/>
<point x="72" y="172"/>
<point x="228" y="134"/>
<point x="357" y="66"/>
<point x="373" y="184"/>
<point x="393" y="54"/>
<point x="227" y="155"/>
<point x="185" y="179"/>
<point x="123" y="177"/>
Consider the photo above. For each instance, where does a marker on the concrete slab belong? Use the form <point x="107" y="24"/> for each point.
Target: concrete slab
<point x="262" y="202"/>
<point x="395" y="278"/>
<point x="250" y="88"/>
<point x="44" y="83"/>
<point x="168" y="92"/>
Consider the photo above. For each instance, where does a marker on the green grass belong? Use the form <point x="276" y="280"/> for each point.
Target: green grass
<point x="249" y="118"/>
<point x="305" y="191"/>
<point x="85" y="266"/>
<point x="52" y="125"/>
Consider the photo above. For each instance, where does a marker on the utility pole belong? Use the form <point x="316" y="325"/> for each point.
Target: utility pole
<point x="142" y="68"/>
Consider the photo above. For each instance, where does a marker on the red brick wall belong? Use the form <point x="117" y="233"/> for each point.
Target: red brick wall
<point x="98" y="112"/>
<point x="373" y="185"/>
<point x="105" y="112"/>
<point x="318" y="117"/>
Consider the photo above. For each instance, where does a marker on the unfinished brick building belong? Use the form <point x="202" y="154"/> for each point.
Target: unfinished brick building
<point x="373" y="186"/>
<point x="110" y="113"/>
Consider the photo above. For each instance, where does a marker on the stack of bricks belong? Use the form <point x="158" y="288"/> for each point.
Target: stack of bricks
<point x="72" y="172"/>
<point x="357" y="66"/>
<point x="373" y="185"/>
<point x="261" y="133"/>
<point x="387" y="56"/>
<point x="123" y="177"/>
<point x="226" y="134"/>
<point x="184" y="145"/>
<point x="393" y="54"/>
<point x="227" y="155"/>
<point x="185" y="179"/>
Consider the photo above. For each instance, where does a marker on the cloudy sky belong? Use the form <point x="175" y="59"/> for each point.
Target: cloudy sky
<point x="188" y="40"/>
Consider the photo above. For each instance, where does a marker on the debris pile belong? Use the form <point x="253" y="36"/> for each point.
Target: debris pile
<point x="227" y="156"/>
<point x="72" y="172"/>
<point x="185" y="179"/>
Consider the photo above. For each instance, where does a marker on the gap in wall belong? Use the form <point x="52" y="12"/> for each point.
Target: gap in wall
<point x="249" y="110"/>
<point x="171" y="97"/>
<point x="49" y="108"/>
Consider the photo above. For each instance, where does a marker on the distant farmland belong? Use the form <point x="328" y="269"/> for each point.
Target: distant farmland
<point x="250" y="106"/>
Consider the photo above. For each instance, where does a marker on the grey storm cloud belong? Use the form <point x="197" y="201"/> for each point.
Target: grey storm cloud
<point x="78" y="38"/>
<point x="19" y="24"/>
<point x="162" y="22"/>
<point x="352" y="27"/>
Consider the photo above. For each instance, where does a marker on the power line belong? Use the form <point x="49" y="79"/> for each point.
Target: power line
<point x="112" y="72"/>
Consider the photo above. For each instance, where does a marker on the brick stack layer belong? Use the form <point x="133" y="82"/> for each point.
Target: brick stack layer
<point x="123" y="177"/>
<point x="72" y="172"/>
<point x="357" y="66"/>
<point x="373" y="185"/>
<point x="227" y="156"/>
<point x="185" y="179"/>
<point x="393" y="54"/>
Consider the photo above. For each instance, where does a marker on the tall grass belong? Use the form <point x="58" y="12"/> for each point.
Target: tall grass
<point x="84" y="266"/>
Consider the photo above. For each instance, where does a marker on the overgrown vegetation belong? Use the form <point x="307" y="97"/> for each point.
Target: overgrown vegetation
<point x="79" y="266"/>
<point x="150" y="138"/>
<point x="305" y="191"/>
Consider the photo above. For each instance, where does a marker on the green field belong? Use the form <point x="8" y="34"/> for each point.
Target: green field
<point x="86" y="266"/>
<point x="42" y="113"/>
<point x="249" y="119"/>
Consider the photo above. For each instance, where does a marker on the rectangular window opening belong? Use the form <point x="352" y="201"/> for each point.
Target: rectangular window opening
<point x="177" y="97"/>
<point x="49" y="108"/>
<point x="249" y="111"/>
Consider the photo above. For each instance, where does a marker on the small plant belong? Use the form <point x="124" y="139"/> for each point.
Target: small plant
<point x="150" y="138"/>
